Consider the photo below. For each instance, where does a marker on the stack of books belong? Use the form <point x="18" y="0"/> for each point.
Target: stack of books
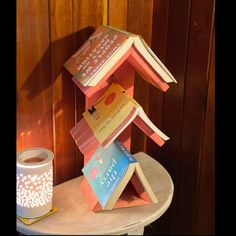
<point x="113" y="178"/>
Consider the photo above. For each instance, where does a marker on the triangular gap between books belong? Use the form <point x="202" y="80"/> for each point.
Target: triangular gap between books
<point x="134" y="194"/>
<point x="107" y="57"/>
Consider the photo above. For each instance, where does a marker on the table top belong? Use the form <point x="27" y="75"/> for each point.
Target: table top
<point x="75" y="217"/>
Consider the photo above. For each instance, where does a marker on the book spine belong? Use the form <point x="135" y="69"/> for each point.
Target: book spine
<point x="123" y="149"/>
<point x="105" y="200"/>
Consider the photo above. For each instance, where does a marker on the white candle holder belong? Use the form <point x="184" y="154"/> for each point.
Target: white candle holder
<point x="34" y="182"/>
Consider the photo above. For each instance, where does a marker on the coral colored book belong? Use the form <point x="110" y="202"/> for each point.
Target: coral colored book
<point x="108" y="117"/>
<point x="116" y="179"/>
<point x="106" y="49"/>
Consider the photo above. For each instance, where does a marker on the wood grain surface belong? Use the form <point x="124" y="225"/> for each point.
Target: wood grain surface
<point x="196" y="80"/>
<point x="62" y="47"/>
<point x="117" y="13"/>
<point x="49" y="104"/>
<point x="34" y="101"/>
<point x="175" y="56"/>
<point x="158" y="43"/>
<point x="205" y="210"/>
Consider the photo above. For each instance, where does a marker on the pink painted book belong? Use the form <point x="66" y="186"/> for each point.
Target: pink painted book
<point x="105" y="50"/>
<point x="114" y="179"/>
<point x="112" y="113"/>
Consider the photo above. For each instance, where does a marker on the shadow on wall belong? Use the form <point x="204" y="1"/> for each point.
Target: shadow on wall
<point x="59" y="51"/>
<point x="48" y="69"/>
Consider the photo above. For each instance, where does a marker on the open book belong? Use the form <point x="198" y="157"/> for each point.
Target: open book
<point x="116" y="179"/>
<point x="108" y="117"/>
<point x="101" y="52"/>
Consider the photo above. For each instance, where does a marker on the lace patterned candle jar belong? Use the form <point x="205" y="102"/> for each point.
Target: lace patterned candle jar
<point x="34" y="182"/>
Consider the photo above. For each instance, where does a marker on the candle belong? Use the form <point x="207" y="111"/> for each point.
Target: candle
<point x="34" y="182"/>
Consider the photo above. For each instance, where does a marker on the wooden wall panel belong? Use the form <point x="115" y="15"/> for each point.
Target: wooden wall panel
<point x="205" y="215"/>
<point x="172" y="110"/>
<point x="117" y="13"/>
<point x="49" y="104"/>
<point x="34" y="104"/>
<point x="88" y="15"/>
<point x="140" y="22"/>
<point x="196" y="80"/>
<point x="62" y="47"/>
<point x="158" y="44"/>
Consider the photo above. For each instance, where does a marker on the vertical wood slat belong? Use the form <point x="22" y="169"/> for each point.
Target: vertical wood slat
<point x="205" y="215"/>
<point x="117" y="13"/>
<point x="159" y="36"/>
<point x="62" y="47"/>
<point x="175" y="60"/>
<point x="140" y="22"/>
<point x="155" y="104"/>
<point x="105" y="12"/>
<point x="34" y="104"/>
<point x="194" y="107"/>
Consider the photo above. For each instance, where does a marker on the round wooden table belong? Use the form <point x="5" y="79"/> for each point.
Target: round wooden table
<point x="74" y="217"/>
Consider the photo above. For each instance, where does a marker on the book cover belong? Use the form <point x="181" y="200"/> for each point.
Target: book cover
<point x="94" y="53"/>
<point x="106" y="115"/>
<point x="106" y="169"/>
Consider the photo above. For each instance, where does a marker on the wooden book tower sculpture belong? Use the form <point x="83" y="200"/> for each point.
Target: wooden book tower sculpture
<point x="108" y="60"/>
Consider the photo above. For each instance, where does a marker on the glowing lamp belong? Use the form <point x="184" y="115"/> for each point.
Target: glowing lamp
<point x="34" y="186"/>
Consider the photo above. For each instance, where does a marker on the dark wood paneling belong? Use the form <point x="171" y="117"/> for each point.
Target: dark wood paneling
<point x="172" y="110"/>
<point x="194" y="107"/>
<point x="62" y="47"/>
<point x="205" y="216"/>
<point x="34" y="104"/>
<point x="140" y="22"/>
<point x="159" y="36"/>
<point x="88" y="15"/>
